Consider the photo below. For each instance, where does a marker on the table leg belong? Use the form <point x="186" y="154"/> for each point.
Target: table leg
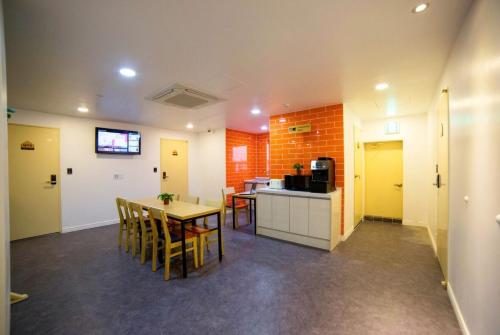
<point x="255" y="216"/>
<point x="250" y="209"/>
<point x="219" y="235"/>
<point x="234" y="215"/>
<point x="183" y="242"/>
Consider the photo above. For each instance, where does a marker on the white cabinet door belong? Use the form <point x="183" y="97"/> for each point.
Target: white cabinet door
<point x="319" y="218"/>
<point x="281" y="213"/>
<point x="299" y="215"/>
<point x="264" y="211"/>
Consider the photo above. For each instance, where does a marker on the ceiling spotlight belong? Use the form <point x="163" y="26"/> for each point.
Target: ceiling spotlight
<point x="282" y="120"/>
<point x="263" y="127"/>
<point x="189" y="126"/>
<point x="381" y="86"/>
<point x="255" y="111"/>
<point x="82" y="109"/>
<point x="420" y="8"/>
<point x="127" y="72"/>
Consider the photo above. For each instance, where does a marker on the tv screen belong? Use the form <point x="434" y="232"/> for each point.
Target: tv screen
<point x="115" y="141"/>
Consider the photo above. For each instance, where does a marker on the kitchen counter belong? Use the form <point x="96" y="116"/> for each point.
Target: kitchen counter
<point x="306" y="218"/>
<point x="301" y="194"/>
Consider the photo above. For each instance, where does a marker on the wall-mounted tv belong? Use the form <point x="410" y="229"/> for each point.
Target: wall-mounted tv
<point x="116" y="141"/>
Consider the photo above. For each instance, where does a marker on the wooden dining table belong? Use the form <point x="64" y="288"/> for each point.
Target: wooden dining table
<point x="185" y="212"/>
<point x="251" y="197"/>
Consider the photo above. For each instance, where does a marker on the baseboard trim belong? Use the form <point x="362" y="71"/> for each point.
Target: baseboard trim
<point x="88" y="226"/>
<point x="457" y="310"/>
<point x="434" y="246"/>
<point x="348" y="234"/>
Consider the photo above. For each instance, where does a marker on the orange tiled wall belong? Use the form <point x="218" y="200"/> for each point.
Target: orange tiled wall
<point x="325" y="139"/>
<point x="244" y="159"/>
<point x="262" y="142"/>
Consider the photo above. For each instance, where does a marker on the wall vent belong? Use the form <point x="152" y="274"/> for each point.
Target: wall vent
<point x="184" y="97"/>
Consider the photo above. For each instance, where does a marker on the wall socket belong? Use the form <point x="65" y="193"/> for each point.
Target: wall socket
<point x="117" y="176"/>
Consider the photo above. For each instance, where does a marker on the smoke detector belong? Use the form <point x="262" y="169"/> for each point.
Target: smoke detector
<point x="184" y="97"/>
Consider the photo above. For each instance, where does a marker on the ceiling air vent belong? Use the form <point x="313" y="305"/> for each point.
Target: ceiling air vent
<point x="183" y="97"/>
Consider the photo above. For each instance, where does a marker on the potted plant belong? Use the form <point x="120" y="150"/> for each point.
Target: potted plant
<point x="298" y="167"/>
<point x="166" y="197"/>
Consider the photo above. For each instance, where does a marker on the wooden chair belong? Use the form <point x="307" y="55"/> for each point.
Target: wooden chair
<point x="142" y="230"/>
<point x="190" y="198"/>
<point x="238" y="206"/>
<point x="125" y="224"/>
<point x="169" y="241"/>
<point x="205" y="232"/>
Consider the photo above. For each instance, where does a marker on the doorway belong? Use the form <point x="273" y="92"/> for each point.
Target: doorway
<point x="34" y="191"/>
<point x="384" y="181"/>
<point x="358" y="183"/>
<point x="442" y="183"/>
<point x="174" y="166"/>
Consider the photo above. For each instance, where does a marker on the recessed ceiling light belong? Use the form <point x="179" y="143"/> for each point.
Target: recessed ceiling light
<point x="263" y="127"/>
<point x="381" y="86"/>
<point x="189" y="126"/>
<point x="282" y="120"/>
<point x="127" y="72"/>
<point x="82" y="109"/>
<point x="255" y="111"/>
<point x="420" y="8"/>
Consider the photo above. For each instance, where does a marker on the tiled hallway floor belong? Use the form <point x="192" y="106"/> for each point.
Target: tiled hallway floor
<point x="383" y="280"/>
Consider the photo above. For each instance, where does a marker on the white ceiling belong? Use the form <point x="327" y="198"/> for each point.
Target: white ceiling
<point x="264" y="53"/>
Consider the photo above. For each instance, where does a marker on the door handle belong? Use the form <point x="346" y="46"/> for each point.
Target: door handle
<point x="398" y="185"/>
<point x="53" y="179"/>
<point x="357" y="176"/>
<point x="164" y="175"/>
<point x="438" y="181"/>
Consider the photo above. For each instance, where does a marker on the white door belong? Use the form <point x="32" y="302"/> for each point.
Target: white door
<point x="442" y="183"/>
<point x="33" y="181"/>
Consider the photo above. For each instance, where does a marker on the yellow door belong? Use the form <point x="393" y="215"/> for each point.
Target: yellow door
<point x="384" y="179"/>
<point x="358" y="186"/>
<point x="174" y="166"/>
<point x="442" y="184"/>
<point x="33" y="181"/>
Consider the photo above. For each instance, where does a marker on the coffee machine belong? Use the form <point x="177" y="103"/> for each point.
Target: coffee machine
<point x="323" y="175"/>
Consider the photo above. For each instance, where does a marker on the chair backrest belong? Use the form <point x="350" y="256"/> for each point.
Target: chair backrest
<point x="191" y="199"/>
<point x="158" y="216"/>
<point x="226" y="191"/>
<point x="219" y="204"/>
<point x="123" y="211"/>
<point x="136" y="215"/>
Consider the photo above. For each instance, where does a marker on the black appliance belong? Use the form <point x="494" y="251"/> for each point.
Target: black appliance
<point x="297" y="182"/>
<point x="323" y="175"/>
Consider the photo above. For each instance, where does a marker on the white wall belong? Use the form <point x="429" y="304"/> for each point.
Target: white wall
<point x="350" y="120"/>
<point x="413" y="133"/>
<point x="4" y="196"/>
<point x="212" y="149"/>
<point x="472" y="76"/>
<point x="87" y="196"/>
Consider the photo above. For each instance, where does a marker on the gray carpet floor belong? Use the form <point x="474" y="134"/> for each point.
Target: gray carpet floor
<point x="383" y="280"/>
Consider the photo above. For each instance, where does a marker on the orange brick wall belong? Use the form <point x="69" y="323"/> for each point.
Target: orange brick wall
<point x="325" y="139"/>
<point x="262" y="141"/>
<point x="244" y="159"/>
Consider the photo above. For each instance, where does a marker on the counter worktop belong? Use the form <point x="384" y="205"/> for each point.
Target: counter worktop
<point x="300" y="194"/>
